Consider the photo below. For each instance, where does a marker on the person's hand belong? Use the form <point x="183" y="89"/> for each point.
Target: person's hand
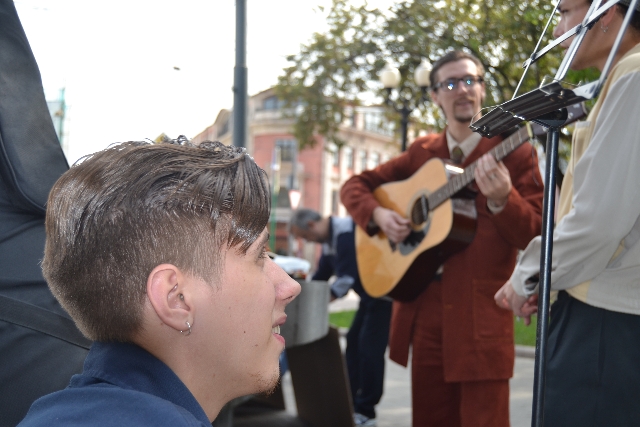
<point x="493" y="180"/>
<point x="521" y="306"/>
<point x="392" y="224"/>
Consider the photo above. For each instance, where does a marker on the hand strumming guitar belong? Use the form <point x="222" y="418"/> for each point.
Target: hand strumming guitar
<point x="493" y="180"/>
<point x="392" y="224"/>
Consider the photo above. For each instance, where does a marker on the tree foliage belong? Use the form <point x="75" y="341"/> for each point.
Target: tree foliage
<point x="340" y="68"/>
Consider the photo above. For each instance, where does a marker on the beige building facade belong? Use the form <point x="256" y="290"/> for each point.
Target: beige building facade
<point x="315" y="174"/>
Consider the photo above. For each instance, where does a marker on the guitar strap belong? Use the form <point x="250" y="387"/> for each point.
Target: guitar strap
<point x="38" y="319"/>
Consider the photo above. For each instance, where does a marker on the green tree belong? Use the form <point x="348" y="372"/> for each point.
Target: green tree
<point x="339" y="68"/>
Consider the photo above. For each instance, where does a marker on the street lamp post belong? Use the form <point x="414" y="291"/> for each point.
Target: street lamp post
<point x="390" y="79"/>
<point x="240" y="97"/>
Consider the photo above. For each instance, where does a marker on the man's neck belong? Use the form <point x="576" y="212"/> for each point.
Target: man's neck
<point x="326" y="228"/>
<point x="459" y="131"/>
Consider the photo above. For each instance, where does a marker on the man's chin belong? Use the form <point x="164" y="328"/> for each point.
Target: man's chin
<point x="269" y="384"/>
<point x="466" y="119"/>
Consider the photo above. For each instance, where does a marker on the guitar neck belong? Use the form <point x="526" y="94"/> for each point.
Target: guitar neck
<point x="458" y="182"/>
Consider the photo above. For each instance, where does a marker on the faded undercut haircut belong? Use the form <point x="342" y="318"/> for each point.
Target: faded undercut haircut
<point x="623" y="9"/>
<point x="301" y="217"/>
<point x="452" y="56"/>
<point x="119" y="213"/>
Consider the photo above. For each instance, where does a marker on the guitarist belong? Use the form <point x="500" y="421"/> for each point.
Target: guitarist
<point x="462" y="344"/>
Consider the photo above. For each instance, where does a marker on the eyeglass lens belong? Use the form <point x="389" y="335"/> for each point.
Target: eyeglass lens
<point x="452" y="83"/>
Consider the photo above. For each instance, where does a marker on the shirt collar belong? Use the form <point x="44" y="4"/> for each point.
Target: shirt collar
<point x="131" y="367"/>
<point x="467" y="146"/>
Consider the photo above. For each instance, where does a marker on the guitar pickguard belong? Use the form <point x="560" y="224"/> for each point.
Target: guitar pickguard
<point x="419" y="231"/>
<point x="413" y="240"/>
<point x="462" y="207"/>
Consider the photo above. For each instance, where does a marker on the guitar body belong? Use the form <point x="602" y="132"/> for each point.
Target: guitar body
<point x="403" y="271"/>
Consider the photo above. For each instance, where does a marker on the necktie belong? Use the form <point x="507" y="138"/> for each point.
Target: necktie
<point x="457" y="155"/>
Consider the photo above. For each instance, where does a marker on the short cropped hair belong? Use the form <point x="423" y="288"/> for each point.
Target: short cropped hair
<point x="119" y="213"/>
<point x="452" y="56"/>
<point x="623" y="9"/>
<point x="301" y="217"/>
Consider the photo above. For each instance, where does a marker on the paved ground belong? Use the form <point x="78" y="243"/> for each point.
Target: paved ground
<point x="394" y="409"/>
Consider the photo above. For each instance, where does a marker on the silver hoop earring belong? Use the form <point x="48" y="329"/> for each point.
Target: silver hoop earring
<point x="188" y="329"/>
<point x="603" y="28"/>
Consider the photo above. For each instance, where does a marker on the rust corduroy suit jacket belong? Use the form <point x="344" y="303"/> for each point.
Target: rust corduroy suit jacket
<point x="477" y="335"/>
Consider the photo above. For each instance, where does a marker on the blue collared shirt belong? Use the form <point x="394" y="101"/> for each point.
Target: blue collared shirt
<point x="121" y="385"/>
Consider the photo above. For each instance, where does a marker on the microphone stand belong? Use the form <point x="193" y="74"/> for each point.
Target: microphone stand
<point x="553" y="122"/>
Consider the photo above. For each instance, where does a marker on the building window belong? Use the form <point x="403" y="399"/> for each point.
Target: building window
<point x="348" y="157"/>
<point x="288" y="161"/>
<point x="271" y="103"/>
<point x="335" y="202"/>
<point x="287" y="149"/>
<point x="375" y="122"/>
<point x="335" y="157"/>
<point x="363" y="160"/>
<point x="372" y="121"/>
<point x="375" y="160"/>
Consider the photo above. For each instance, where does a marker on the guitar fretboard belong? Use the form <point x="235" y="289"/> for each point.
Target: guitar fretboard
<point x="458" y="182"/>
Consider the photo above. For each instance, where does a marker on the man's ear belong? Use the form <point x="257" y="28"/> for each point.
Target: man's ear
<point x="170" y="296"/>
<point x="607" y="17"/>
<point x="434" y="98"/>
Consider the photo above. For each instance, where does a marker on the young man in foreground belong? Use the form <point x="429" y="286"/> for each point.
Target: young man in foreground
<point x="158" y="253"/>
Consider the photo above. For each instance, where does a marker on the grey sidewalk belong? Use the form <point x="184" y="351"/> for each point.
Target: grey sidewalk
<point x="394" y="409"/>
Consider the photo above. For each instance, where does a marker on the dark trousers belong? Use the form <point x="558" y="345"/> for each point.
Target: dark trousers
<point x="593" y="368"/>
<point x="366" y="345"/>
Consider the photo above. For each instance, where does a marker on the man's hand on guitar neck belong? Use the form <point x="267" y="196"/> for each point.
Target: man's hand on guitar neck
<point x="494" y="181"/>
<point x="392" y="224"/>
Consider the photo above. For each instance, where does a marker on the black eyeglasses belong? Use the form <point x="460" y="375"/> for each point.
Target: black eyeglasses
<point x="452" y="83"/>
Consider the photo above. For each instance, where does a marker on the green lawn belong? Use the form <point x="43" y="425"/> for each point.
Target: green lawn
<point x="342" y="319"/>
<point x="524" y="335"/>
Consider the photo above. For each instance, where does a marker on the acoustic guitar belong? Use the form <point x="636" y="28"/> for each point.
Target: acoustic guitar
<point x="442" y="212"/>
<point x="440" y="225"/>
<point x="443" y="216"/>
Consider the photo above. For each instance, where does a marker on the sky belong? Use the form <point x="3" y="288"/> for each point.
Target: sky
<point x="117" y="60"/>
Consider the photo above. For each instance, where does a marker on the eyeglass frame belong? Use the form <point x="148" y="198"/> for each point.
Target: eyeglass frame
<point x="455" y="81"/>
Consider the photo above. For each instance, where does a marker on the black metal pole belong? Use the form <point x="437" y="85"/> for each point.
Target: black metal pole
<point x="404" y="111"/>
<point x="240" y="97"/>
<point x="553" y="122"/>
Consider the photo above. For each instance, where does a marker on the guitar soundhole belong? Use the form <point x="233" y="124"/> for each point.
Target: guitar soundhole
<point x="420" y="212"/>
<point x="419" y="223"/>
